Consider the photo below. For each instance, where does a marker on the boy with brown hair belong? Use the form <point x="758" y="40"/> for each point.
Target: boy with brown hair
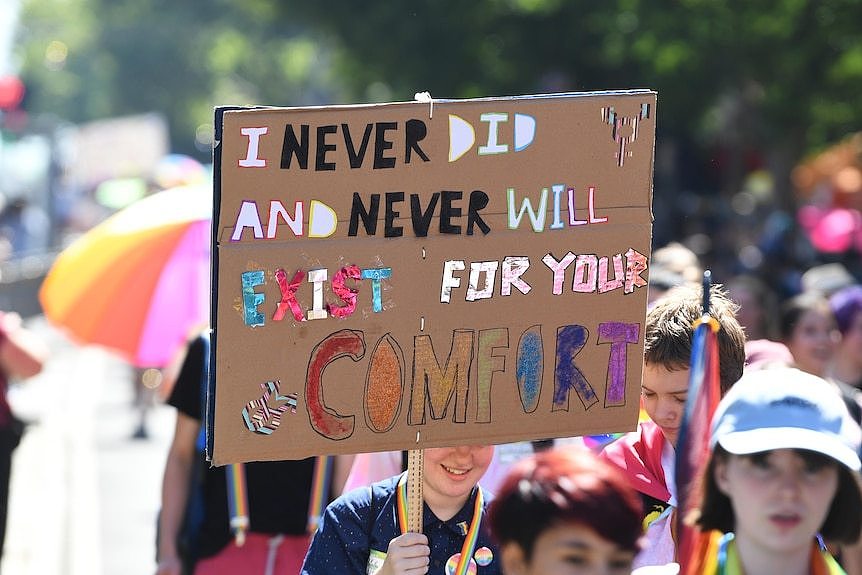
<point x="647" y="455"/>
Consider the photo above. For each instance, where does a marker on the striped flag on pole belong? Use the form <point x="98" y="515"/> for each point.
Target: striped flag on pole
<point x="692" y="451"/>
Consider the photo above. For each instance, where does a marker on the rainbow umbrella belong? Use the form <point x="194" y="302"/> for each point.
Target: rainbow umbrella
<point x="137" y="283"/>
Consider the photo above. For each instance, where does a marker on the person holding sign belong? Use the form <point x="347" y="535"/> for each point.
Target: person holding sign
<point x="565" y="511"/>
<point x="784" y="472"/>
<point x="365" y="530"/>
<point x="647" y="456"/>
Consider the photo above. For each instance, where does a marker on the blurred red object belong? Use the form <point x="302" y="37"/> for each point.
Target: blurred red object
<point x="11" y="92"/>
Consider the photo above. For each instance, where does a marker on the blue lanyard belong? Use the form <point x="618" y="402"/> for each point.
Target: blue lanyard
<point x="723" y="544"/>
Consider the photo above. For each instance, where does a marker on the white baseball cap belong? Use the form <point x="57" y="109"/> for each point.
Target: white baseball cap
<point x="785" y="408"/>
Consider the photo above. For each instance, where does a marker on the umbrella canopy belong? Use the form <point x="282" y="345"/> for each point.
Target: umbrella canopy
<point x="137" y="283"/>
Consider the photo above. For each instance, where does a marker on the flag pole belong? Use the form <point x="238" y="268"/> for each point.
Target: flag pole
<point x="693" y="442"/>
<point x="707" y="285"/>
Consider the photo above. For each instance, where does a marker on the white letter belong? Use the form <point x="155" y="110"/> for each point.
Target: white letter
<point x="251" y="160"/>
<point x="247" y="218"/>
<point x="538" y="220"/>
<point x="558" y="189"/>
<point x="317" y="311"/>
<point x="321" y="221"/>
<point x="276" y="208"/>
<point x="461" y="137"/>
<point x="592" y="208"/>
<point x="493" y="147"/>
<point x="490" y="271"/>
<point x="449" y="280"/>
<point x="525" y="131"/>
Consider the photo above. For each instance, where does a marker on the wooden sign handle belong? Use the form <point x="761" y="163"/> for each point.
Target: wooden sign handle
<point x="414" y="490"/>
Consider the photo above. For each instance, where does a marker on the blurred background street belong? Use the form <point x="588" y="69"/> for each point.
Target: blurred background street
<point x="84" y="493"/>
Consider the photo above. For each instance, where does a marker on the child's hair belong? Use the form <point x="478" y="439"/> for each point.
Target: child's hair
<point x="565" y="486"/>
<point x="843" y="522"/>
<point x="794" y="308"/>
<point x="670" y="326"/>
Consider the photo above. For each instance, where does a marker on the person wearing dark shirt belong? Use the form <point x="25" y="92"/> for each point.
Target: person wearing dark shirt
<point x="363" y="532"/>
<point x="278" y="496"/>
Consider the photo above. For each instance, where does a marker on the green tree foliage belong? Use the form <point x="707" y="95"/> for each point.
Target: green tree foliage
<point x="779" y="74"/>
<point x="91" y="59"/>
<point x="774" y="69"/>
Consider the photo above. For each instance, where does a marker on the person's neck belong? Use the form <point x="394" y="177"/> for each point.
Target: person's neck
<point x="755" y="560"/>
<point x="845" y="370"/>
<point x="444" y="508"/>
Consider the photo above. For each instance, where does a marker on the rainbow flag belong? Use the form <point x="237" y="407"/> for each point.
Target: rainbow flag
<point x="692" y="450"/>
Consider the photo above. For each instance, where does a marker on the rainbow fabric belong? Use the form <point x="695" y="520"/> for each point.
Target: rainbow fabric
<point x="598" y="442"/>
<point x="717" y="556"/>
<point x="237" y="497"/>
<point x="402" y="503"/>
<point x="237" y="500"/>
<point x="117" y="285"/>
<point x="319" y="491"/>
<point x="692" y="449"/>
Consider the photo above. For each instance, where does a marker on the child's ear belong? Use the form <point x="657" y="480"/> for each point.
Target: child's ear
<point x="720" y="475"/>
<point x="512" y="559"/>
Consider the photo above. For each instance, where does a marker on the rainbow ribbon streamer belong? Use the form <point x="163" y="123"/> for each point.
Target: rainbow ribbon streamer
<point x="237" y="500"/>
<point x="471" y="537"/>
<point x="469" y="546"/>
<point x="402" y="503"/>
<point x="320" y="483"/>
<point x="692" y="451"/>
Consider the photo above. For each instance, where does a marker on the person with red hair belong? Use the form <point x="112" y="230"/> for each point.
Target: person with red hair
<point x="566" y="512"/>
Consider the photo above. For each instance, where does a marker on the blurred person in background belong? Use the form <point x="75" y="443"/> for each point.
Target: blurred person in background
<point x="846" y="365"/>
<point x="22" y="355"/>
<point x="826" y="279"/>
<point x="25" y="224"/>
<point x="765" y="354"/>
<point x="808" y="329"/>
<point x="279" y="496"/>
<point x="566" y="512"/>
<point x="677" y="258"/>
<point x="661" y="281"/>
<point x="758" y="306"/>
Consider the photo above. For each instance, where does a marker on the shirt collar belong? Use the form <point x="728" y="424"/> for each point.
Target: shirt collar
<point x="460" y="522"/>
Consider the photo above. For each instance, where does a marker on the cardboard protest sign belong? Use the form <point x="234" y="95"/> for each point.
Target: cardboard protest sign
<point x="412" y="275"/>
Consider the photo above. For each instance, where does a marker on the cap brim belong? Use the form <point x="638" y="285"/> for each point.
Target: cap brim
<point x="769" y="438"/>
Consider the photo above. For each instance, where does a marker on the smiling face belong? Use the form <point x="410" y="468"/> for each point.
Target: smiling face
<point x="664" y="393"/>
<point x="780" y="499"/>
<point x="813" y="341"/>
<point x="450" y="473"/>
<point x="568" y="549"/>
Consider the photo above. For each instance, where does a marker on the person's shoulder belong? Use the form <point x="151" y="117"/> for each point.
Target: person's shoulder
<point x="363" y="497"/>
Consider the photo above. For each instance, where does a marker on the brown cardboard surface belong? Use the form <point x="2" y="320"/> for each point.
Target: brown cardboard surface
<point x="437" y="357"/>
